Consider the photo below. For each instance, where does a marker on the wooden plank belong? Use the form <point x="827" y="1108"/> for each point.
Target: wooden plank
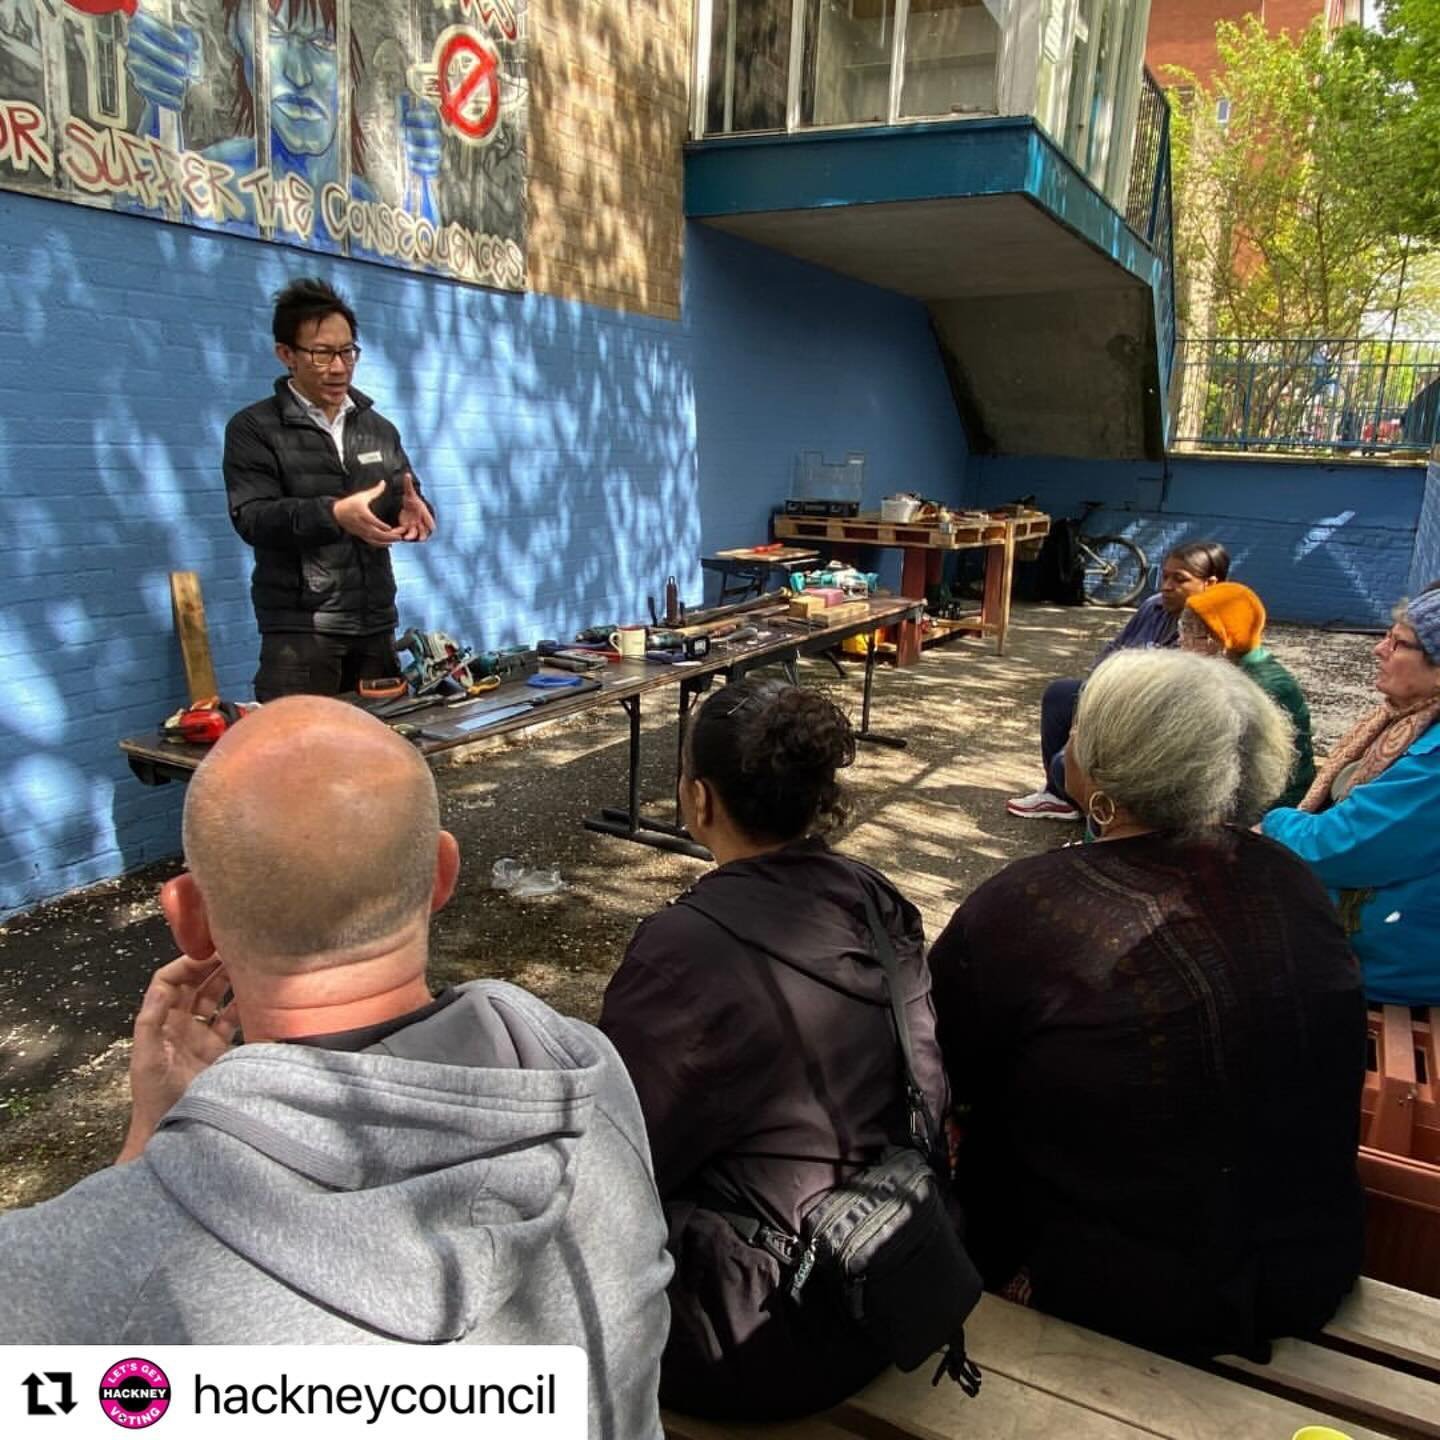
<point x="684" y="1427"/>
<point x="189" y="611"/>
<point x="1386" y="1320"/>
<point x="1357" y="1387"/>
<point x="897" y="1406"/>
<point x="1148" y="1391"/>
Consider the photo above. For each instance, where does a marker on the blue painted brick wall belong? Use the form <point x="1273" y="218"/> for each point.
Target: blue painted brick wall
<point x="1323" y="544"/>
<point x="577" y="456"/>
<point x="1426" y="565"/>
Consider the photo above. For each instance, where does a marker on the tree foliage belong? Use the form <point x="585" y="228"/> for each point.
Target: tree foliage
<point x="1296" y="214"/>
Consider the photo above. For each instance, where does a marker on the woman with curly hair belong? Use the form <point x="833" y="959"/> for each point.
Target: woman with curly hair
<point x="753" y="1016"/>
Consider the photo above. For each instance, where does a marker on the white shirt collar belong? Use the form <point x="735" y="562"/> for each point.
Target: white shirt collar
<point x="316" y="413"/>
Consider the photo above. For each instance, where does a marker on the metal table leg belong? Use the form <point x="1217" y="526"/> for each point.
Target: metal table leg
<point x="894" y="742"/>
<point x="629" y="824"/>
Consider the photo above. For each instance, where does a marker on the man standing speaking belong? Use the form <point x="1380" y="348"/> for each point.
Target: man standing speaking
<point x="320" y="485"/>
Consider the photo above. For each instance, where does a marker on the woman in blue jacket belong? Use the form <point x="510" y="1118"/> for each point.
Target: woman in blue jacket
<point x="1370" y="824"/>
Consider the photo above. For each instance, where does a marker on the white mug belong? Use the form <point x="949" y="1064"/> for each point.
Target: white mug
<point x="629" y="640"/>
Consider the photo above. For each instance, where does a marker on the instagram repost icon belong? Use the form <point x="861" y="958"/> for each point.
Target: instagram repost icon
<point x="135" y="1393"/>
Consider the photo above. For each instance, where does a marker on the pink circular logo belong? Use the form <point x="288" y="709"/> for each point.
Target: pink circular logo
<point x="135" y="1393"/>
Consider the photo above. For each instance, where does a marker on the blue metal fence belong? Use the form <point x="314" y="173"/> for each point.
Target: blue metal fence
<point x="1342" y="396"/>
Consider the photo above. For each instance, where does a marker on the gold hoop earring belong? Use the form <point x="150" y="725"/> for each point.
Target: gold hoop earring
<point x="1099" y="820"/>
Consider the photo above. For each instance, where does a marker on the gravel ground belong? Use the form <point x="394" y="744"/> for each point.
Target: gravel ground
<point x="932" y="815"/>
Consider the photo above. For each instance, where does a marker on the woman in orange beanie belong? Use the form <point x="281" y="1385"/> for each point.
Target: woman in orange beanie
<point x="1228" y="619"/>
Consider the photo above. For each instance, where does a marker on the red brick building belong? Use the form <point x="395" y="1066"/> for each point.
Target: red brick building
<point x="1182" y="32"/>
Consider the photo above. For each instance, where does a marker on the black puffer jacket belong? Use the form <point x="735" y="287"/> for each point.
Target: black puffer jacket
<point x="282" y="479"/>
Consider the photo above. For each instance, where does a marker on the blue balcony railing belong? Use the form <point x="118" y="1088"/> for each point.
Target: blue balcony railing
<point x="1340" y="396"/>
<point x="1149" y="211"/>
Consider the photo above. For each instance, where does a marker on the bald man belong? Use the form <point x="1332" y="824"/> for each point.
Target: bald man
<point x="373" y="1163"/>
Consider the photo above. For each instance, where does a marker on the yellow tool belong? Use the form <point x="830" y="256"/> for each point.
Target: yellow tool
<point x="490" y="682"/>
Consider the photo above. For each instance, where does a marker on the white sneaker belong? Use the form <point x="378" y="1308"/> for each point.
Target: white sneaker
<point x="1042" y="805"/>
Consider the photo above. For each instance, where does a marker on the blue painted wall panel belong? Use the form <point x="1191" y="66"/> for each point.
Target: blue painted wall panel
<point x="1325" y="544"/>
<point x="577" y="456"/>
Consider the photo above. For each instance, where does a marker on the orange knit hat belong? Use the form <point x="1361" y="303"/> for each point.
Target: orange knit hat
<point x="1232" y="613"/>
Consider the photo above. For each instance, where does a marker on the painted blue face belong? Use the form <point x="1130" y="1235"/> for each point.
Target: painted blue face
<point x="304" y="75"/>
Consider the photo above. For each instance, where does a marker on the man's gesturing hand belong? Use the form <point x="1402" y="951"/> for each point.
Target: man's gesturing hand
<point x="180" y="1030"/>
<point x="354" y="516"/>
<point x="416" y="522"/>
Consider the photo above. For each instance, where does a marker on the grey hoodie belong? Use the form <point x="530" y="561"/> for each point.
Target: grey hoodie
<point x="481" y="1176"/>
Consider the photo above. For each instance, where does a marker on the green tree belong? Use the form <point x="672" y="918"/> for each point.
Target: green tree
<point x="1289" y="222"/>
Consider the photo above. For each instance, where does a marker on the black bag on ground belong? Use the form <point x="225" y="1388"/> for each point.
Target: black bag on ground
<point x="882" y="1247"/>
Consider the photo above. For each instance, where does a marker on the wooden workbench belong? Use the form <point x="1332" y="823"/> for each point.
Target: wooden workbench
<point x="155" y="760"/>
<point x="925" y="544"/>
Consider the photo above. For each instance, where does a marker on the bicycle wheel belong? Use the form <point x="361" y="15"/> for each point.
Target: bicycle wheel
<point x="1115" y="569"/>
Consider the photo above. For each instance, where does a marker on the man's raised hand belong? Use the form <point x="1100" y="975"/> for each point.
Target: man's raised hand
<point x="416" y="521"/>
<point x="182" y="1028"/>
<point x="354" y="516"/>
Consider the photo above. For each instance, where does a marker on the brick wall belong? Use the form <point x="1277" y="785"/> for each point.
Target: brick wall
<point x="1182" y="32"/>
<point x="577" y="456"/>
<point x="1322" y="544"/>
<point x="607" y="125"/>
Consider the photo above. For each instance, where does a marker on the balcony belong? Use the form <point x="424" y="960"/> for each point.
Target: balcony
<point x="980" y="156"/>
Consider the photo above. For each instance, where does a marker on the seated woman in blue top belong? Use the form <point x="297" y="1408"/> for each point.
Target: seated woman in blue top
<point x="1370" y="823"/>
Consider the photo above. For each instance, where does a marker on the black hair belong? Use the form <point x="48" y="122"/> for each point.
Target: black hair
<point x="771" y="752"/>
<point x="1204" y="559"/>
<point x="305" y="299"/>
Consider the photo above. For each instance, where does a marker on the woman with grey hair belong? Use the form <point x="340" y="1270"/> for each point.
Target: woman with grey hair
<point x="1369" y="825"/>
<point x="1156" y="1043"/>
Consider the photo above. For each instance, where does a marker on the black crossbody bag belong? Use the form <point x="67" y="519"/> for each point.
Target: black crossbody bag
<point x="881" y="1246"/>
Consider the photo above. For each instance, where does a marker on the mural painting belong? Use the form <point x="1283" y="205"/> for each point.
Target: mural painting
<point x="390" y="130"/>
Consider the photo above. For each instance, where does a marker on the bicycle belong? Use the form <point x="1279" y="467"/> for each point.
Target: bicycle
<point x="1114" y="569"/>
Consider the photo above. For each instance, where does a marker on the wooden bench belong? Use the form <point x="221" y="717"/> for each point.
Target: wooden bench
<point x="1375" y="1373"/>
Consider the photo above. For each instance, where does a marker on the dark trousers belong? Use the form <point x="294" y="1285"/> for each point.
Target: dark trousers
<point x="301" y="664"/>
<point x="1057" y="715"/>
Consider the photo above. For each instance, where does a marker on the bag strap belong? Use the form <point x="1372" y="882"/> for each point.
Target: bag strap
<point x="921" y="1135"/>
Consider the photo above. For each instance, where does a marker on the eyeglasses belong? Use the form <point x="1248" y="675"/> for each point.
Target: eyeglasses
<point x="323" y="356"/>
<point x="1395" y="642"/>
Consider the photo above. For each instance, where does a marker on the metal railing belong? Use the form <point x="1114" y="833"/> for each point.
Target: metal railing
<point x="1341" y="396"/>
<point x="1150" y="213"/>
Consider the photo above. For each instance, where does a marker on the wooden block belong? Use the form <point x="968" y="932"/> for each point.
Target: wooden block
<point x="1357" y="1387"/>
<point x="843" y="614"/>
<point x="189" y="611"/>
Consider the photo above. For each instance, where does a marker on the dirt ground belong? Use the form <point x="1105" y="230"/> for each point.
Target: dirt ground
<point x="931" y="815"/>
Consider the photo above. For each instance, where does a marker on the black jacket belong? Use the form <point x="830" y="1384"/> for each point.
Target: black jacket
<point x="752" y="1016"/>
<point x="282" y="479"/>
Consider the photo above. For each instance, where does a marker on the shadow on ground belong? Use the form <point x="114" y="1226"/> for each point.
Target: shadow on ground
<point x="932" y="816"/>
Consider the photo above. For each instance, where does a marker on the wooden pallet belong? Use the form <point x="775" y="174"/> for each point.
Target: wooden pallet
<point x="965" y="532"/>
<point x="1044" y="1377"/>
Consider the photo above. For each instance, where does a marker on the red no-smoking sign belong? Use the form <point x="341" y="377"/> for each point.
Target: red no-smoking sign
<point x="467" y="72"/>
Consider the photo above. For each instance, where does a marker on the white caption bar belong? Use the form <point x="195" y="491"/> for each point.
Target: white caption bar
<point x="78" y="1392"/>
